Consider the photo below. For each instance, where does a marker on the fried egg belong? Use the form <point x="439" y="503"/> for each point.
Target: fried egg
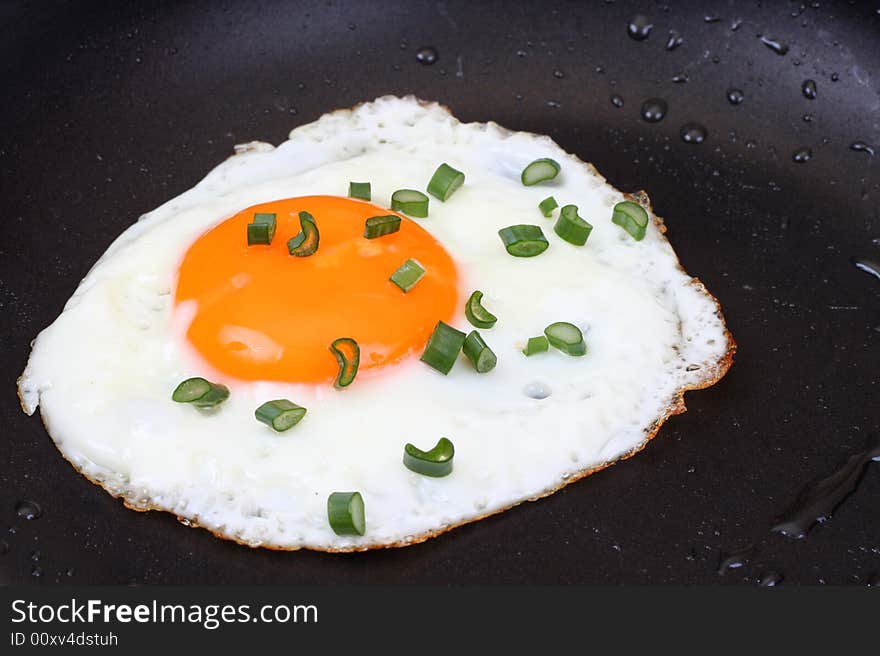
<point x="182" y="294"/>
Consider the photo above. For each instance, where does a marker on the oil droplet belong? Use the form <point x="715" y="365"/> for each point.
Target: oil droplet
<point x="28" y="509"/>
<point x="693" y="133"/>
<point x="778" y="46"/>
<point x="617" y="101"/>
<point x="711" y="19"/>
<point x="639" y="27"/>
<point x="802" y="155"/>
<point x="654" y="109"/>
<point x="770" y="579"/>
<point x="809" y="89"/>
<point x="808" y="118"/>
<point x="36" y="571"/>
<point x="735" y="96"/>
<point x="835" y="77"/>
<point x="36" y="555"/>
<point x="681" y="78"/>
<point x="426" y="56"/>
<point x="871" y="267"/>
<point x="736" y="24"/>
<point x="555" y="104"/>
<point x="673" y="40"/>
<point x="862" y="147"/>
<point x="521" y="53"/>
<point x="558" y="74"/>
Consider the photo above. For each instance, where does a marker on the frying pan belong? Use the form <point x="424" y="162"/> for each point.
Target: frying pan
<point x="113" y="108"/>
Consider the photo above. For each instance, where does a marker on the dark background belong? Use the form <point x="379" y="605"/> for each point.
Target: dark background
<point x="112" y="108"/>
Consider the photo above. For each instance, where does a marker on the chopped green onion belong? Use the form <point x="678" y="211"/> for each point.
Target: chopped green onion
<point x="379" y="226"/>
<point x="445" y="181"/>
<point x="443" y="347"/>
<point x="437" y="462"/>
<point x="280" y="414"/>
<point x="524" y="240"/>
<point x="200" y="393"/>
<point x="411" y="202"/>
<point x="540" y="170"/>
<point x="359" y="190"/>
<point x="408" y="274"/>
<point x="348" y="355"/>
<point x="480" y="355"/>
<point x="306" y="242"/>
<point x="479" y="316"/>
<point x="547" y="206"/>
<point x="632" y="217"/>
<point x="571" y="227"/>
<point x="566" y="337"/>
<point x="536" y="345"/>
<point x="262" y="229"/>
<point x="345" y="512"/>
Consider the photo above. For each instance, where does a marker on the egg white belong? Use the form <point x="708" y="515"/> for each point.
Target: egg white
<point x="103" y="372"/>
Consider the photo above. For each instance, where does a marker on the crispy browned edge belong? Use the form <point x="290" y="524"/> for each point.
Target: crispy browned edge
<point x="675" y="407"/>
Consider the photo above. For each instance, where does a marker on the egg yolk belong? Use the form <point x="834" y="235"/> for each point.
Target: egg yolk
<point x="264" y="314"/>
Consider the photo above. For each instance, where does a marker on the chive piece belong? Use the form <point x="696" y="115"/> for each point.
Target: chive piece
<point x="200" y="393"/>
<point x="571" y="227"/>
<point x="445" y="181"/>
<point x="523" y="240"/>
<point x="479" y="316"/>
<point x="480" y="355"/>
<point x="443" y="347"/>
<point x="348" y="355"/>
<point x="547" y="206"/>
<point x="536" y="345"/>
<point x="436" y="462"/>
<point x="411" y="202"/>
<point x="359" y="190"/>
<point x="379" y="226"/>
<point x="540" y="170"/>
<point x="262" y="229"/>
<point x="632" y="217"/>
<point x="306" y="242"/>
<point x="345" y="512"/>
<point x="408" y="274"/>
<point x="280" y="414"/>
<point x="566" y="337"/>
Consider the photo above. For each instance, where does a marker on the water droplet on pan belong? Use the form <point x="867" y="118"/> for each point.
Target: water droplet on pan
<point x="835" y="77"/>
<point x="27" y="509"/>
<point x="862" y="147"/>
<point x="693" y="133"/>
<point x="770" y="579"/>
<point x="558" y="74"/>
<point x="681" y="78"/>
<point x="808" y="118"/>
<point x="809" y="89"/>
<point x="735" y="559"/>
<point x="819" y="498"/>
<point x="673" y="40"/>
<point x="639" y="27"/>
<point x="617" y="101"/>
<point x="871" y="267"/>
<point x="735" y="96"/>
<point x="778" y="46"/>
<point x="711" y="19"/>
<point x="654" y="109"/>
<point x="426" y="56"/>
<point x="802" y="155"/>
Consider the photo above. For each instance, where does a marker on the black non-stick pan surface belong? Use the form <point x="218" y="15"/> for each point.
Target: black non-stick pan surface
<point x="110" y="109"/>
